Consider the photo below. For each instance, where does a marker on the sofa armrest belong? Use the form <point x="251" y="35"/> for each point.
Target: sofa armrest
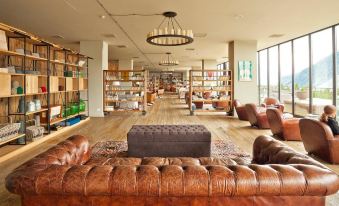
<point x="334" y="149"/>
<point x="267" y="150"/>
<point x="174" y="180"/>
<point x="75" y="150"/>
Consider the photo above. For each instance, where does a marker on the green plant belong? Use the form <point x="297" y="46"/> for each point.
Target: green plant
<point x="296" y="86"/>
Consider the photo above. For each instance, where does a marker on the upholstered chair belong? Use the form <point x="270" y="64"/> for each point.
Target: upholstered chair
<point x="286" y="129"/>
<point x="319" y="140"/>
<point x="199" y="104"/>
<point x="257" y="118"/>
<point x="240" y="109"/>
<point x="269" y="101"/>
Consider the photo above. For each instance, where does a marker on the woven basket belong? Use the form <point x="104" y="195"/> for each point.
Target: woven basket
<point x="8" y="129"/>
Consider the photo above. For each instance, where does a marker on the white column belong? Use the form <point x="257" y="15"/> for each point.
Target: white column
<point x="246" y="92"/>
<point x="98" y="50"/>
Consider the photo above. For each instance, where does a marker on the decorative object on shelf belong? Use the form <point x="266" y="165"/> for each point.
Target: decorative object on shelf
<point x="8" y="130"/>
<point x="82" y="106"/>
<point x="20" y="51"/>
<point x="15" y="85"/>
<point x="34" y="132"/>
<point x="30" y="106"/>
<point x="3" y="41"/>
<point x="245" y="71"/>
<point x="43" y="89"/>
<point x="19" y="90"/>
<point x="61" y="88"/>
<point x="171" y="34"/>
<point x="168" y="60"/>
<point x="21" y="106"/>
<point x="36" y="54"/>
<point x="37" y="103"/>
<point x="55" y="113"/>
<point x="81" y="63"/>
<point x="37" y="119"/>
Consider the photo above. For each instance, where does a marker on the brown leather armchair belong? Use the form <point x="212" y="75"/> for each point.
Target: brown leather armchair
<point x="257" y="118"/>
<point x="318" y="140"/>
<point x="241" y="110"/>
<point x="269" y="101"/>
<point x="286" y="129"/>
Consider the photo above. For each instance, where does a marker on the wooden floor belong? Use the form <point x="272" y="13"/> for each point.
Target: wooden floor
<point x="168" y="110"/>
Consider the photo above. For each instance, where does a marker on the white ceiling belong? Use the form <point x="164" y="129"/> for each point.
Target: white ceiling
<point x="222" y="20"/>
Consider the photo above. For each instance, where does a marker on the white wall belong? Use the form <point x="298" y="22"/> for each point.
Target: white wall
<point x="125" y="64"/>
<point x="98" y="50"/>
<point x="210" y="64"/>
<point x="246" y="92"/>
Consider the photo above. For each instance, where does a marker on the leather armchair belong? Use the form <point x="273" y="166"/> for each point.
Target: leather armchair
<point x="286" y="129"/>
<point x="318" y="140"/>
<point x="151" y="96"/>
<point x="241" y="110"/>
<point x="257" y="118"/>
<point x="273" y="101"/>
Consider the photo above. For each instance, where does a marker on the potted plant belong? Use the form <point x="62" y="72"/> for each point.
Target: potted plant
<point x="302" y="93"/>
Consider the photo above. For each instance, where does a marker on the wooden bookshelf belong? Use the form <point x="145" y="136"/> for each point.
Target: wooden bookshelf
<point x="38" y="65"/>
<point x="125" y="90"/>
<point x="211" y="91"/>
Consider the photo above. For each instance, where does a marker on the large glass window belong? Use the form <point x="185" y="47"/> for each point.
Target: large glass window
<point x="263" y="74"/>
<point x="322" y="70"/>
<point x="337" y="58"/>
<point x="301" y="75"/>
<point x="286" y="75"/>
<point x="273" y="72"/>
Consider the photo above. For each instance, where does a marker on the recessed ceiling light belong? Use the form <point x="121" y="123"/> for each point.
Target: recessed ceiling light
<point x="121" y="46"/>
<point x="238" y="16"/>
<point x="102" y="16"/>
<point x="276" y="35"/>
<point x="109" y="35"/>
<point x="58" y="36"/>
<point x="200" y="35"/>
<point x="189" y="49"/>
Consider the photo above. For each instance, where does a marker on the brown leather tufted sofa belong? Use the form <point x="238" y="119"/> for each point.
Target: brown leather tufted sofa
<point x="63" y="175"/>
<point x="256" y="117"/>
<point x="318" y="140"/>
<point x="241" y="110"/>
<point x="286" y="129"/>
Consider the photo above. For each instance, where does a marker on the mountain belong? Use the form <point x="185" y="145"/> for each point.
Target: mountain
<point x="321" y="70"/>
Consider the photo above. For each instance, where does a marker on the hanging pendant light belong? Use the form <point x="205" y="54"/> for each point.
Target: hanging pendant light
<point x="170" y="33"/>
<point x="169" y="61"/>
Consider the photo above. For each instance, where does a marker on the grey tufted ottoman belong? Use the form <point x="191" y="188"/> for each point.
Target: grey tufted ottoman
<point x="169" y="141"/>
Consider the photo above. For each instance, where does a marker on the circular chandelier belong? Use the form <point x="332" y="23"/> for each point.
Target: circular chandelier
<point x="169" y="32"/>
<point x="169" y="61"/>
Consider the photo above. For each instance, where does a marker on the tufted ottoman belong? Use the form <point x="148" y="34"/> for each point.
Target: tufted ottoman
<point x="169" y="141"/>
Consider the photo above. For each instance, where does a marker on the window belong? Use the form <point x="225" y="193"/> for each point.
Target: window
<point x="286" y="75"/>
<point x="301" y="75"/>
<point x="322" y="70"/>
<point x="337" y="58"/>
<point x="263" y="75"/>
<point x="273" y="72"/>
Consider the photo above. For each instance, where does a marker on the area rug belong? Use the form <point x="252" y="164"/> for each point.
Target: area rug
<point x="220" y="149"/>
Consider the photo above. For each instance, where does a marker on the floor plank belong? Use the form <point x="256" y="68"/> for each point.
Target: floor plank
<point x="168" y="110"/>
